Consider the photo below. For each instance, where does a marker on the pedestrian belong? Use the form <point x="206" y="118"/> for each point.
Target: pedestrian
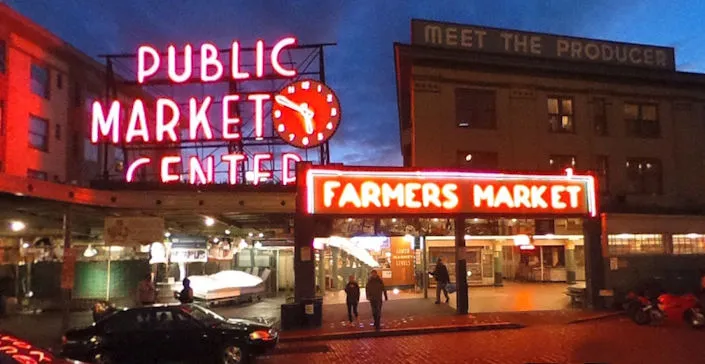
<point x="186" y="294"/>
<point x="352" y="297"/>
<point x="442" y="280"/>
<point x="375" y="290"/>
<point x="146" y="292"/>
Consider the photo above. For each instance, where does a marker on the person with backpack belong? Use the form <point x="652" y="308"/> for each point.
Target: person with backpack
<point x="186" y="294"/>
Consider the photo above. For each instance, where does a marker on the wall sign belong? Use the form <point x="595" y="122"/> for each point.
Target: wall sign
<point x="513" y="42"/>
<point x="305" y="113"/>
<point x="403" y="191"/>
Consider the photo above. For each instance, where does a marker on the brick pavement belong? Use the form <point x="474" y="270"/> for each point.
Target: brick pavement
<point x="614" y="340"/>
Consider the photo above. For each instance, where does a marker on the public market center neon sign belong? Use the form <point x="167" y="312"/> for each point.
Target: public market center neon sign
<point x="305" y="113"/>
<point x="400" y="191"/>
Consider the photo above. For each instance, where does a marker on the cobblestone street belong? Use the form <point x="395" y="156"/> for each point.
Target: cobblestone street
<point x="615" y="340"/>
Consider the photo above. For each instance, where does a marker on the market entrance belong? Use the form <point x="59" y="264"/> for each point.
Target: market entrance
<point x="436" y="214"/>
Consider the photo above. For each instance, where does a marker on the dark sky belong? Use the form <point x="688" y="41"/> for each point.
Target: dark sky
<point x="361" y="67"/>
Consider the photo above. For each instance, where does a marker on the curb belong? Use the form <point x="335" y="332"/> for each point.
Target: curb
<point x="596" y="317"/>
<point x="403" y="332"/>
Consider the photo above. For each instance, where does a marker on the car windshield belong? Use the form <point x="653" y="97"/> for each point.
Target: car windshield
<point x="202" y="314"/>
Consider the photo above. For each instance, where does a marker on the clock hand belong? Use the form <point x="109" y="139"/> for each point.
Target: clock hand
<point x="284" y="101"/>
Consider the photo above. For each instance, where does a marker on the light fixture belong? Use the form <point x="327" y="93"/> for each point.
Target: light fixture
<point x="435" y="220"/>
<point x="349" y="219"/>
<point x="521" y="240"/>
<point x="514" y="220"/>
<point x="167" y="234"/>
<point x="216" y="240"/>
<point x="395" y="291"/>
<point x="250" y="234"/>
<point x="227" y="232"/>
<point x="17" y="226"/>
<point x="394" y="220"/>
<point x="243" y="244"/>
<point x="261" y="235"/>
<point x="468" y="157"/>
<point x="25" y="245"/>
<point x="475" y="220"/>
<point x="388" y="254"/>
<point x="258" y="244"/>
<point x="209" y="221"/>
<point x="90" y="251"/>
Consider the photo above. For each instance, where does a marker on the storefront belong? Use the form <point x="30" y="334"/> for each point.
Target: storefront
<point x="452" y="200"/>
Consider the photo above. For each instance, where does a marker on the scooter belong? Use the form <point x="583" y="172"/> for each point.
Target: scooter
<point x="644" y="310"/>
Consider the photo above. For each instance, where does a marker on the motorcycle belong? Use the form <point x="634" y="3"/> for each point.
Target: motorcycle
<point x="652" y="310"/>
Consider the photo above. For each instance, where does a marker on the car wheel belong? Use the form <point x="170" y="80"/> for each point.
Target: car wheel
<point x="103" y="358"/>
<point x="233" y="354"/>
<point x="641" y="317"/>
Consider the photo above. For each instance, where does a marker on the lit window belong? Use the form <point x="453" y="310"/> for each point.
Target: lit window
<point x="688" y="244"/>
<point x="599" y="115"/>
<point x="560" y="115"/>
<point x="558" y="162"/>
<point x="475" y="108"/>
<point x="38" y="133"/>
<point x="40" y="80"/>
<point x="34" y="174"/>
<point x="625" y="244"/>
<point x="642" y="120"/>
<point x="478" y="160"/>
<point x="644" y="176"/>
<point x="90" y="151"/>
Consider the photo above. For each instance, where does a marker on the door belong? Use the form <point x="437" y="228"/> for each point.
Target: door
<point x="185" y="339"/>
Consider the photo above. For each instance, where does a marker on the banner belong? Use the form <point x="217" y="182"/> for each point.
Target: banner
<point x="133" y="231"/>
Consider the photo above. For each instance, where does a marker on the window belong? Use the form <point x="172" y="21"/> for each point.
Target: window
<point x="2" y="121"/>
<point x="119" y="156"/>
<point x="90" y="150"/>
<point x="31" y="173"/>
<point x="559" y="162"/>
<point x="57" y="131"/>
<point x="59" y="81"/>
<point x="622" y="244"/>
<point x="38" y="133"/>
<point x="642" y="120"/>
<point x="3" y="56"/>
<point x="644" y="176"/>
<point x="602" y="171"/>
<point x="126" y="321"/>
<point x="478" y="160"/>
<point x="475" y="108"/>
<point x="40" y="80"/>
<point x="77" y="100"/>
<point x="599" y="116"/>
<point x="688" y="244"/>
<point x="560" y="115"/>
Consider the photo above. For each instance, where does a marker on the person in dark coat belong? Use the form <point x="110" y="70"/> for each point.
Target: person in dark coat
<point x="352" y="297"/>
<point x="186" y="294"/>
<point x="442" y="279"/>
<point x="375" y="290"/>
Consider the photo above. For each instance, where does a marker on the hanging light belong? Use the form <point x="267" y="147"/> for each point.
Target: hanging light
<point x="17" y="225"/>
<point x="167" y="234"/>
<point x="258" y="245"/>
<point x="243" y="244"/>
<point x="90" y="251"/>
<point x="216" y="240"/>
<point x="209" y="221"/>
<point x="227" y="232"/>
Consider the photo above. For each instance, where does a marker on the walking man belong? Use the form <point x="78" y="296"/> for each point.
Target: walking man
<point x="375" y="290"/>
<point x="442" y="280"/>
<point x="352" y="297"/>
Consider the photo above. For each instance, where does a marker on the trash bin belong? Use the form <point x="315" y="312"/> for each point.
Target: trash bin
<point x="292" y="316"/>
<point x="313" y="312"/>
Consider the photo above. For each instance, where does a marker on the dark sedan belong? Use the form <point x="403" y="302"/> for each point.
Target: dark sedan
<point x="169" y="334"/>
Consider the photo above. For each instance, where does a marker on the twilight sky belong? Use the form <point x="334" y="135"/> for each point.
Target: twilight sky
<point x="361" y="67"/>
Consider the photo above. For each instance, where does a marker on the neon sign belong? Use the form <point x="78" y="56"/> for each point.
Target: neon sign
<point x="398" y="191"/>
<point x="22" y="352"/>
<point x="305" y="113"/>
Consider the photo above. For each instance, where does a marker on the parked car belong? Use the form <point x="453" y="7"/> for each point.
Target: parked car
<point x="14" y="350"/>
<point x="169" y="333"/>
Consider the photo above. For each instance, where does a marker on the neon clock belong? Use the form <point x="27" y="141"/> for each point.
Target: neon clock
<point x="305" y="113"/>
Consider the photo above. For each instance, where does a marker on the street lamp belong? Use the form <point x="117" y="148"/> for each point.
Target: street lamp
<point x="16" y="226"/>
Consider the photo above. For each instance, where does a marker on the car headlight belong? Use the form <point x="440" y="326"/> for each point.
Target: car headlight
<point x="262" y="335"/>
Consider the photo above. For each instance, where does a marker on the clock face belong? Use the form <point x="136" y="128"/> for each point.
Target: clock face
<point x="305" y="113"/>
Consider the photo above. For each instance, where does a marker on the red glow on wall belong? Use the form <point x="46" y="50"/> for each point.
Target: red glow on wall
<point x="355" y="191"/>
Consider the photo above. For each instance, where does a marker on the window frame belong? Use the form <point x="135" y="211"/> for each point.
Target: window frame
<point x="47" y="82"/>
<point x="466" y="107"/>
<point x="599" y="116"/>
<point x="45" y="137"/>
<point x="86" y="144"/>
<point x="635" y="127"/>
<point x="553" y="157"/>
<point x="559" y="116"/>
<point x="641" y="183"/>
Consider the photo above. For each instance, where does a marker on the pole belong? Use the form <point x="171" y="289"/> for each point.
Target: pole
<point x="461" y="274"/>
<point x="107" y="280"/>
<point x="424" y="262"/>
<point x="67" y="288"/>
